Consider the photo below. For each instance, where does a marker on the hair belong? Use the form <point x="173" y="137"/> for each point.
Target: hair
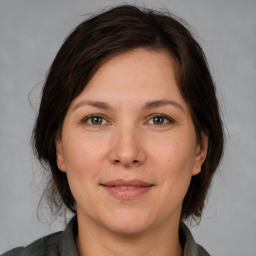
<point x="101" y="37"/>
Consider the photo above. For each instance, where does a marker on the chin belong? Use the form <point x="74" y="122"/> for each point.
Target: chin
<point x="127" y="229"/>
<point x="129" y="223"/>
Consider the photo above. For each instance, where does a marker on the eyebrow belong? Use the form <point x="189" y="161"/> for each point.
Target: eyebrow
<point x="97" y="104"/>
<point x="147" y="105"/>
<point x="159" y="103"/>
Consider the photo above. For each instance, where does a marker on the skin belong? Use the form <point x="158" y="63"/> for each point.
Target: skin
<point x="128" y="143"/>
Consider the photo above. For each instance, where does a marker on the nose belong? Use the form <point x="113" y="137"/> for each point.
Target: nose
<point x="127" y="147"/>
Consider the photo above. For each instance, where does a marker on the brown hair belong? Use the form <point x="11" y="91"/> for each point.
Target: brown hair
<point x="92" y="42"/>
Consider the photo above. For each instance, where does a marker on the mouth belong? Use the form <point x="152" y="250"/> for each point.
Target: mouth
<point x="127" y="189"/>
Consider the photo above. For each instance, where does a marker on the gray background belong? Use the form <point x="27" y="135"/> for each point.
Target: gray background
<point x="30" y="34"/>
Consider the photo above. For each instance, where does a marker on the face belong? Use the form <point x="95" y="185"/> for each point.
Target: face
<point x="128" y="145"/>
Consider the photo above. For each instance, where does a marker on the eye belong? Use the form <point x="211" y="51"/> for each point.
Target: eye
<point x="160" y="119"/>
<point x="95" y="120"/>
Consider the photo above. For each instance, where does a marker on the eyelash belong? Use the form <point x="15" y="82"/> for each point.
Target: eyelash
<point x="85" y="120"/>
<point x="169" y="120"/>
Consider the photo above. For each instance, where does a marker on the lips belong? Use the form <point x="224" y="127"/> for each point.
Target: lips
<point x="127" y="189"/>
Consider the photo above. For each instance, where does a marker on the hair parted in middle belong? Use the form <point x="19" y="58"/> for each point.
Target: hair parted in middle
<point x="88" y="47"/>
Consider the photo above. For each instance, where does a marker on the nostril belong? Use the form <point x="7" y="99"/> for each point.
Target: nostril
<point x="135" y="161"/>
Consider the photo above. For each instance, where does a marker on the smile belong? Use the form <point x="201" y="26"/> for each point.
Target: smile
<point x="127" y="190"/>
<point x="127" y="187"/>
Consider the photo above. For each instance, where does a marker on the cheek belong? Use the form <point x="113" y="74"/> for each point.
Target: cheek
<point x="81" y="160"/>
<point x="82" y="153"/>
<point x="174" y="164"/>
<point x="84" y="160"/>
<point x="175" y="153"/>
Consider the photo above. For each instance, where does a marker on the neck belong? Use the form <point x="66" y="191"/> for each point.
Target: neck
<point x="161" y="241"/>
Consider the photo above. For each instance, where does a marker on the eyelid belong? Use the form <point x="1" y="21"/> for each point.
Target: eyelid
<point x="170" y="120"/>
<point x="85" y="119"/>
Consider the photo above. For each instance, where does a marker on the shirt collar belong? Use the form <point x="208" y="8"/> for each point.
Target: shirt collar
<point x="68" y="247"/>
<point x="190" y="247"/>
<point x="67" y="244"/>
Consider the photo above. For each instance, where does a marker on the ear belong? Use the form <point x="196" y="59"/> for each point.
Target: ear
<point x="200" y="154"/>
<point x="59" y="155"/>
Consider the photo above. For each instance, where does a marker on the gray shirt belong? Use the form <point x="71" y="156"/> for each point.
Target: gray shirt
<point x="63" y="244"/>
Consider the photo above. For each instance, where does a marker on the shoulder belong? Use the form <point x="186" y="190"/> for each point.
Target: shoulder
<point x="191" y="248"/>
<point x="58" y="244"/>
<point x="202" y="251"/>
<point x="47" y="245"/>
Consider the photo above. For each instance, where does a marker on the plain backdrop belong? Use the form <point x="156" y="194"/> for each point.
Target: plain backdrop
<point x="31" y="32"/>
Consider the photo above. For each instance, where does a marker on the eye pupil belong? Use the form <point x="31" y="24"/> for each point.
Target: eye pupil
<point x="158" y="120"/>
<point x="96" y="120"/>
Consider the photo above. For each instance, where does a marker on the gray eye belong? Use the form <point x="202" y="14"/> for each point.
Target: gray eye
<point x="96" y="120"/>
<point x="158" y="120"/>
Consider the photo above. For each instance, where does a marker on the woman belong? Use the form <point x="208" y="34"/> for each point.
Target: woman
<point x="130" y="129"/>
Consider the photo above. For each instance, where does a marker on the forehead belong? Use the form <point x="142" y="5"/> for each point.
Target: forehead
<point x="139" y="73"/>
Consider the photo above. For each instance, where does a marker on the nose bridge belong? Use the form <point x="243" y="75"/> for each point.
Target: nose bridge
<point x="126" y="148"/>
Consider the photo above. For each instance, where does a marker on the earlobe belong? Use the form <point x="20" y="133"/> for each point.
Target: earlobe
<point x="59" y="155"/>
<point x="200" y="154"/>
